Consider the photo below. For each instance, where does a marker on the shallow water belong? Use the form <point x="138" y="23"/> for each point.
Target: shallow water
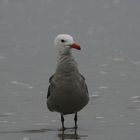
<point x="108" y="31"/>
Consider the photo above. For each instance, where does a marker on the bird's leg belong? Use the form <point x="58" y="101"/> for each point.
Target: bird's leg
<point x="75" y="119"/>
<point x="62" y="121"/>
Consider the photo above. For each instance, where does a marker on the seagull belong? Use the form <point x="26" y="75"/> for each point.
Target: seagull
<point x="67" y="91"/>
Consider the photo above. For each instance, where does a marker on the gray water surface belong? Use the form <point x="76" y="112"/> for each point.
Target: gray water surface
<point x="109" y="34"/>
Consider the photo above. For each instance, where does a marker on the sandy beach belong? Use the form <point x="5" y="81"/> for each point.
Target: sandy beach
<point x="108" y="32"/>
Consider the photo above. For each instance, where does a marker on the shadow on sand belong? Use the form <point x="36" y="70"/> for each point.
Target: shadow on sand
<point x="63" y="135"/>
<point x="43" y="130"/>
<point x="71" y="134"/>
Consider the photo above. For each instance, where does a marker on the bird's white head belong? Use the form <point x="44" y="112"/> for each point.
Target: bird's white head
<point x="65" y="43"/>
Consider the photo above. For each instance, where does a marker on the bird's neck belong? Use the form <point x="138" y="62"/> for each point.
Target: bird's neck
<point x="66" y="64"/>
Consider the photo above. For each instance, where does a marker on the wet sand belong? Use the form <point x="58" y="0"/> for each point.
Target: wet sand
<point x="108" y="32"/>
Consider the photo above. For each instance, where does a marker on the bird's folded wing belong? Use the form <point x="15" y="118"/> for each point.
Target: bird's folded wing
<point x="50" y="86"/>
<point x="84" y="85"/>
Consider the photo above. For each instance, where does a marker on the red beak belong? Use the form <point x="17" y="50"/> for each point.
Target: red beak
<point x="76" y="46"/>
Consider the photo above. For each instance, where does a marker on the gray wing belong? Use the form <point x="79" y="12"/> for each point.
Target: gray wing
<point x="51" y="85"/>
<point x="84" y="83"/>
<point x="49" y="93"/>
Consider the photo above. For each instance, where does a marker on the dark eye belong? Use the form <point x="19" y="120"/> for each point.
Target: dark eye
<point x="63" y="41"/>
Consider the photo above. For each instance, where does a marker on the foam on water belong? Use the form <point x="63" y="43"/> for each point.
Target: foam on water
<point x="45" y="116"/>
<point x="22" y="84"/>
<point x="2" y="57"/>
<point x="103" y="72"/>
<point x="135" y="62"/>
<point x="4" y="121"/>
<point x="136" y="101"/>
<point x="41" y="124"/>
<point x="116" y="1"/>
<point x="94" y="96"/>
<point x="135" y="97"/>
<point x="14" y="122"/>
<point x="15" y="93"/>
<point x="9" y="114"/>
<point x="99" y="117"/>
<point x="53" y="120"/>
<point x="131" y="123"/>
<point x="120" y="59"/>
<point x="123" y="74"/>
<point x="103" y="65"/>
<point x="26" y="138"/>
<point x="103" y="87"/>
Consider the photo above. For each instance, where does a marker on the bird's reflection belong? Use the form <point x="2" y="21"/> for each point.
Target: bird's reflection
<point x="69" y="135"/>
